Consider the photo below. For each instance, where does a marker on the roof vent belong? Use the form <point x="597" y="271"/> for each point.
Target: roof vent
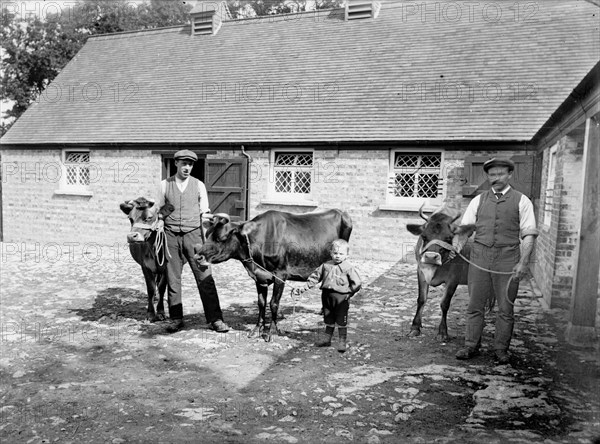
<point x="362" y="9"/>
<point x="207" y="17"/>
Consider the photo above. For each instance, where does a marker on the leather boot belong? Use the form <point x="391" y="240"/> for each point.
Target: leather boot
<point x="326" y="342"/>
<point x="343" y="332"/>
<point x="176" y="314"/>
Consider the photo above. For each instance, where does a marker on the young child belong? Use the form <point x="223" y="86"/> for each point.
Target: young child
<point x="339" y="282"/>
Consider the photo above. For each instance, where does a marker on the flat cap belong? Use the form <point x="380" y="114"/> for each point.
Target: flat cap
<point x="495" y="162"/>
<point x="185" y="154"/>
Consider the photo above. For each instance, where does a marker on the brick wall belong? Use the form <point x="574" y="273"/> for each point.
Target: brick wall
<point x="352" y="180"/>
<point x="34" y="212"/>
<point x="356" y="181"/>
<point x="557" y="241"/>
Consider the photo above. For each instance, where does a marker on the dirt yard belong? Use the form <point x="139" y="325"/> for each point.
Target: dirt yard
<point x="80" y="364"/>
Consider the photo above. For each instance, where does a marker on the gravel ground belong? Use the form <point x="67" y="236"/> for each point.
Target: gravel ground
<point x="80" y="364"/>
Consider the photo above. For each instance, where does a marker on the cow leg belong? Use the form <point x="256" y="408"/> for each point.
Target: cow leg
<point x="415" y="329"/>
<point x="445" y="305"/>
<point x="162" y="287"/>
<point x="274" y="305"/>
<point x="150" y="278"/>
<point x="262" y="291"/>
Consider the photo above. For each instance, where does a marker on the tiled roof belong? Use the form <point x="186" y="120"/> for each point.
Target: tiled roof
<point x="419" y="71"/>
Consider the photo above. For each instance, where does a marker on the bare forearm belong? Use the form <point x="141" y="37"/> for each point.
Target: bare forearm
<point x="526" y="249"/>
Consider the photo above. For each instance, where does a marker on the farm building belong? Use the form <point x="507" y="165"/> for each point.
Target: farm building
<point x="374" y="108"/>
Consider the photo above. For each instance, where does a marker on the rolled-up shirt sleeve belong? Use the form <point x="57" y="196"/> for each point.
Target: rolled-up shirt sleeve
<point x="470" y="216"/>
<point x="162" y="190"/>
<point x="203" y="196"/>
<point x="527" y="224"/>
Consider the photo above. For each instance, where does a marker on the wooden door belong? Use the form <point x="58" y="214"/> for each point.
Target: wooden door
<point x="476" y="180"/>
<point x="227" y="187"/>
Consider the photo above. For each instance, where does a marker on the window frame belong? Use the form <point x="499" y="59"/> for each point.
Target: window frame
<point x="73" y="189"/>
<point x="550" y="189"/>
<point x="291" y="198"/>
<point x="413" y="203"/>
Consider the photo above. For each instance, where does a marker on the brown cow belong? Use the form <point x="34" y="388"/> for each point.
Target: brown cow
<point x="435" y="263"/>
<point x="147" y="249"/>
<point x="274" y="247"/>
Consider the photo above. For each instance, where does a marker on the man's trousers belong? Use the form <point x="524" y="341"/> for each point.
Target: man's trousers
<point x="483" y="285"/>
<point x="181" y="247"/>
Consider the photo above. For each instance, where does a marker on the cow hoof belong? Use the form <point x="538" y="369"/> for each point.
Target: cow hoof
<point x="267" y="337"/>
<point x="254" y="333"/>
<point x="414" y="333"/>
<point x="157" y="317"/>
<point x="443" y="338"/>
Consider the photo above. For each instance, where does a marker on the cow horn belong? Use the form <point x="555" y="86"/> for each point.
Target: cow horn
<point x="454" y="220"/>
<point x="223" y="216"/>
<point x="421" y="213"/>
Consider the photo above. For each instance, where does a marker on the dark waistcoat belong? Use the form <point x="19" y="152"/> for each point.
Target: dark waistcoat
<point x="497" y="222"/>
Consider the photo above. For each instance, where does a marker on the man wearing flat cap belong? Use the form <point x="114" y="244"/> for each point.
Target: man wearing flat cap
<point x="505" y="232"/>
<point x="183" y="230"/>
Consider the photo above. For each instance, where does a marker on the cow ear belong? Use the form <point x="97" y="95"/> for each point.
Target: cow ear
<point x="126" y="207"/>
<point x="463" y="232"/>
<point x="150" y="203"/>
<point x="415" y="229"/>
<point x="248" y="227"/>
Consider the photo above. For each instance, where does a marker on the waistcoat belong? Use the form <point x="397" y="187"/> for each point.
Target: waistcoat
<point x="186" y="216"/>
<point x="497" y="223"/>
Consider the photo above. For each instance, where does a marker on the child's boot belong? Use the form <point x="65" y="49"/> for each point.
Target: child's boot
<point x="326" y="342"/>
<point x="343" y="332"/>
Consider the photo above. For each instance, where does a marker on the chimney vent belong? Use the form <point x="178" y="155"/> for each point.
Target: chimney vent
<point x="362" y="9"/>
<point x="208" y="16"/>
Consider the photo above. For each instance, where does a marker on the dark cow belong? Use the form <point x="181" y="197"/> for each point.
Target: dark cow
<point x="288" y="246"/>
<point x="436" y="265"/>
<point x="148" y="249"/>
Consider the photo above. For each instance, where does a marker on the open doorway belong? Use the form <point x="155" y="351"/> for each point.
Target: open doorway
<point x="169" y="168"/>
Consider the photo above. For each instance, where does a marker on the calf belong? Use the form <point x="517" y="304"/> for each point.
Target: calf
<point x="148" y="249"/>
<point x="436" y="264"/>
<point x="273" y="247"/>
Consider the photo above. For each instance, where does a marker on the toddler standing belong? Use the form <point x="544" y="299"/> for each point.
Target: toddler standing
<point x="339" y="282"/>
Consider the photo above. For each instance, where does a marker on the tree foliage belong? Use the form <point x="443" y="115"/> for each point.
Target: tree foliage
<point x="35" y="47"/>
<point x="244" y="8"/>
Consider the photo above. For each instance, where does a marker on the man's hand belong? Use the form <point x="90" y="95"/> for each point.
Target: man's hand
<point x="160" y="224"/>
<point x="520" y="271"/>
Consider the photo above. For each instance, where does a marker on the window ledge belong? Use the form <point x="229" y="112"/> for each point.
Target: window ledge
<point x="401" y="207"/>
<point x="290" y="202"/>
<point x="65" y="192"/>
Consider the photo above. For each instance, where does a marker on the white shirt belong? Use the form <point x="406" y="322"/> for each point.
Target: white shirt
<point x="527" y="224"/>
<point x="182" y="185"/>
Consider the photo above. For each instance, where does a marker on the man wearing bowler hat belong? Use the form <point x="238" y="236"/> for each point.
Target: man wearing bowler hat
<point x="183" y="230"/>
<point x="505" y="232"/>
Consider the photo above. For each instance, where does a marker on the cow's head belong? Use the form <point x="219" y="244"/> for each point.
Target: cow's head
<point x="224" y="240"/>
<point x="143" y="216"/>
<point x="440" y="227"/>
<point x="231" y="240"/>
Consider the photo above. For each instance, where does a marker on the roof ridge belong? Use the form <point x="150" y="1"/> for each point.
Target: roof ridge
<point x="260" y="18"/>
<point x="138" y="31"/>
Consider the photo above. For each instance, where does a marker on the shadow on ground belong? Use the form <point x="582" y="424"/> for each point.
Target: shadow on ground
<point x="113" y="303"/>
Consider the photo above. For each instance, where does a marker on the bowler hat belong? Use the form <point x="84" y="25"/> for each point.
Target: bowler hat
<point x="186" y="154"/>
<point x="495" y="162"/>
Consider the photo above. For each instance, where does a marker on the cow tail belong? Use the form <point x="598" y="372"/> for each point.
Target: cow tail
<point x="345" y="226"/>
